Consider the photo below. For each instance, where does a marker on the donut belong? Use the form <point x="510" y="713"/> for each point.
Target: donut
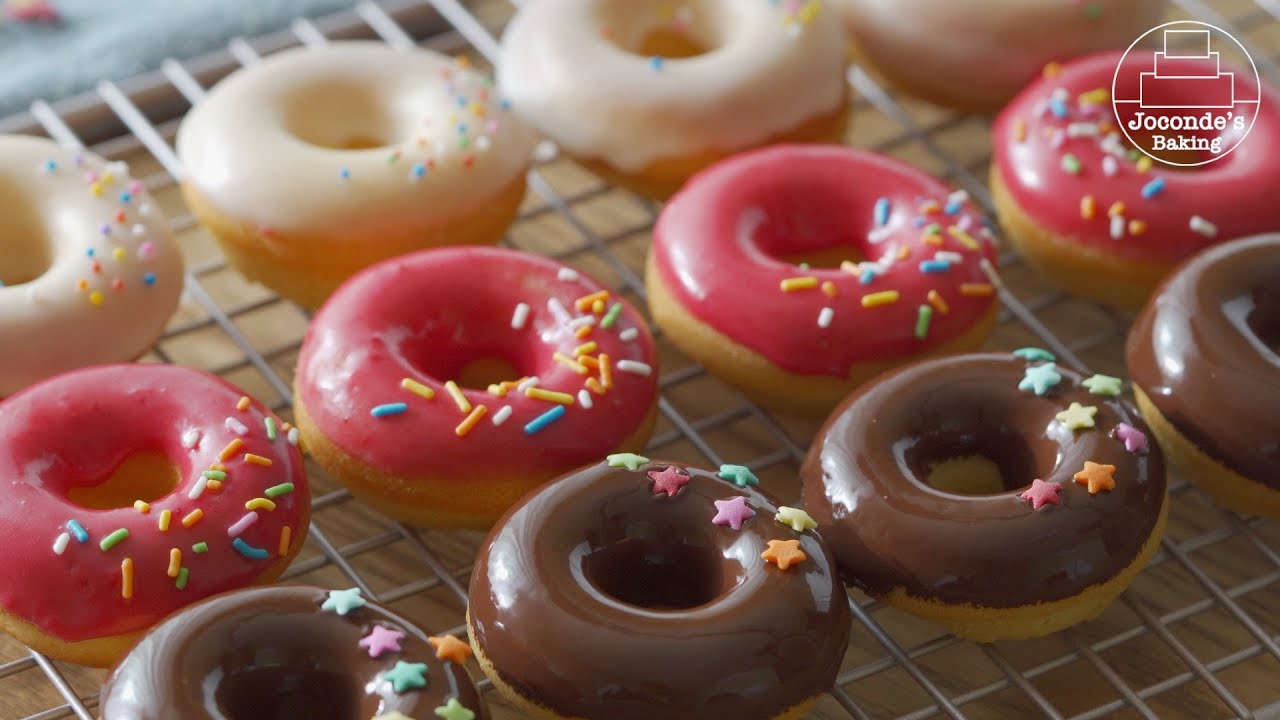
<point x="1002" y="496"/>
<point x="292" y="651"/>
<point x="1091" y="218"/>
<point x="318" y="162"/>
<point x="647" y="590"/>
<point x="645" y="94"/>
<point x="90" y="272"/>
<point x="138" y="489"/>
<point x="1204" y="356"/>
<point x="441" y="386"/>
<point x="897" y="272"/>
<point x="976" y="58"/>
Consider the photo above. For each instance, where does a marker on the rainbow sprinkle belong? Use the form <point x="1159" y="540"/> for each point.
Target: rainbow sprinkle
<point x="542" y="421"/>
<point x="389" y="409"/>
<point x="249" y="551"/>
<point x="115" y="538"/>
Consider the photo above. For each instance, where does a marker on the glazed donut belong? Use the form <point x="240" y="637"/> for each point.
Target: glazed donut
<point x="90" y="272"/>
<point x="1001" y="496"/>
<point x="726" y="283"/>
<point x="1205" y="361"/>
<point x="132" y="491"/>
<point x="639" y="590"/>
<point x="645" y="95"/>
<point x="317" y="162"/>
<point x="1098" y="223"/>
<point x="292" y="652"/>
<point x="976" y="58"/>
<point x="388" y="394"/>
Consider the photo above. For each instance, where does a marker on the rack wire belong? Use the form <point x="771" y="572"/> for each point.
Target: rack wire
<point x="1196" y="636"/>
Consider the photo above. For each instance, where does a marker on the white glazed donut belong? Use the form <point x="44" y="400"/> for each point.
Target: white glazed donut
<point x="317" y="162"/>
<point x="586" y="73"/>
<point x="976" y="56"/>
<point x="89" y="271"/>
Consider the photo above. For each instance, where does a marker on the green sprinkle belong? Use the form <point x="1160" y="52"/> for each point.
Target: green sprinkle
<point x="1035" y="354"/>
<point x="1071" y="164"/>
<point x="933" y="229"/>
<point x="611" y="317"/>
<point x="1093" y="11"/>
<point x="214" y="474"/>
<point x="181" y="582"/>
<point x="113" y="539"/>
<point x="271" y="428"/>
<point x="278" y="490"/>
<point x="923" y="317"/>
<point x="200" y="548"/>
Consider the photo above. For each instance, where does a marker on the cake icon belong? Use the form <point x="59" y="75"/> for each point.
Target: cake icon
<point x="1187" y="74"/>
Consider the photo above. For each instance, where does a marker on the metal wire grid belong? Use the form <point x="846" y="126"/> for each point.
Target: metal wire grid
<point x="1016" y="687"/>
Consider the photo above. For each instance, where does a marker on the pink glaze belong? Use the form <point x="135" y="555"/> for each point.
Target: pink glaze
<point x="425" y="316"/>
<point x="75" y="430"/>
<point x="719" y="244"/>
<point x="1235" y="193"/>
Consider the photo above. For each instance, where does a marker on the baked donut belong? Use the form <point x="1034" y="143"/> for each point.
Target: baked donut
<point x="896" y="272"/>
<point x="645" y="590"/>
<point x="1000" y="496"/>
<point x="292" y="652"/>
<point x="90" y="272"/>
<point x="1205" y="361"/>
<point x="132" y="491"/>
<point x="975" y="59"/>
<point x="317" y="162"/>
<point x="645" y="94"/>
<point x="441" y="386"/>
<point x="1101" y="220"/>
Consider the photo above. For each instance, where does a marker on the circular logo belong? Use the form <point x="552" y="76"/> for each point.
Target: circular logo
<point x="1186" y="93"/>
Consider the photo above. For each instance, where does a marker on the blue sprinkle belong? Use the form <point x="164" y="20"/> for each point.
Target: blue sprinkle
<point x="419" y="170"/>
<point x="90" y="252"/>
<point x="1058" y="107"/>
<point x="867" y="276"/>
<point x="920" y="221"/>
<point x="462" y="102"/>
<point x="462" y="128"/>
<point x="505" y="104"/>
<point x="954" y="207"/>
<point x="544" y="420"/>
<point x="250" y="551"/>
<point x="882" y="211"/>
<point x="1153" y="188"/>
<point x="388" y="409"/>
<point x="656" y="62"/>
<point x="125" y="197"/>
<point x="345" y="173"/>
<point x="149" y="278"/>
<point x="78" y="530"/>
<point x="934" y="266"/>
<point x="50" y="165"/>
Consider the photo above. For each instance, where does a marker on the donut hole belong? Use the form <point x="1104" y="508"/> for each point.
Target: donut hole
<point x="652" y="30"/>
<point x="1263" y="319"/>
<point x="972" y="462"/>
<point x="474" y="365"/>
<point x="800" y="231"/>
<point x="343" y="115"/>
<point x="286" y="693"/>
<point x="145" y="476"/>
<point x="657" y="568"/>
<point x="24" y="246"/>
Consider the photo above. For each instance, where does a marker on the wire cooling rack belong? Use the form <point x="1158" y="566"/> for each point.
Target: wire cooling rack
<point x="1194" y="637"/>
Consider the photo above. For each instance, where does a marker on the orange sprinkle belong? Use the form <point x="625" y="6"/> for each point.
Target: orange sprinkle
<point x="260" y="503"/>
<point x="829" y="288"/>
<point x="1116" y="209"/>
<point x="976" y="289"/>
<point x="1020" y="130"/>
<point x="142" y="506"/>
<point x="570" y="363"/>
<point x="285" y="427"/>
<point x="175" y="562"/>
<point x="938" y="303"/>
<point x="126" y="578"/>
<point x="594" y="386"/>
<point x="589" y="362"/>
<point x="462" y="61"/>
<point x="1137" y="227"/>
<point x="231" y="449"/>
<point x="458" y="398"/>
<point x="606" y="371"/>
<point x="1051" y="70"/>
<point x="583" y="331"/>
<point x="257" y="460"/>
<point x="1088" y="207"/>
<point x="929" y="207"/>
<point x="285" y="533"/>
<point x="798" y="283"/>
<point x="585" y="349"/>
<point x="586" y="302"/>
<point x="243" y="404"/>
<point x="192" y="517"/>
<point x="538" y="393"/>
<point x="165" y="517"/>
<point x="931" y="239"/>
<point x="213" y="485"/>
<point x="470" y="420"/>
<point x="904" y="252"/>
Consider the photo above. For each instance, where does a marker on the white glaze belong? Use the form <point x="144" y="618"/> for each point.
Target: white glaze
<point x="773" y="67"/>
<point x="248" y="145"/>
<point x="55" y="203"/>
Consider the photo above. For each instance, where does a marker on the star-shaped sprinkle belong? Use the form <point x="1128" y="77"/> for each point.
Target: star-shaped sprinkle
<point x="732" y="512"/>
<point x="740" y="475"/>
<point x="450" y="648"/>
<point x="1103" y="385"/>
<point x="1035" y="354"/>
<point x="1135" y="441"/>
<point x="453" y="710"/>
<point x="343" y="601"/>
<point x="1077" y="416"/>
<point x="798" y="519"/>
<point x="1097" y="477"/>
<point x="380" y="640"/>
<point x="1042" y="493"/>
<point x="1040" y="378"/>
<point x="406" y="676"/>
<point x="630" y="461"/>
<point x="668" y="481"/>
<point x="784" y="553"/>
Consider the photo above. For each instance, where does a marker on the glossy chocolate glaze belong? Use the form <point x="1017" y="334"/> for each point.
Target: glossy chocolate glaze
<point x="865" y="484"/>
<point x="597" y="599"/>
<point x="272" y="653"/>
<point x="1206" y="350"/>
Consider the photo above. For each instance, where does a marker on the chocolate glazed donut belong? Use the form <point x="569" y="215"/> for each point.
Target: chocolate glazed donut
<point x="1205" y="360"/>
<point x="1078" y="510"/>
<point x="638" y="590"/>
<point x="284" y="652"/>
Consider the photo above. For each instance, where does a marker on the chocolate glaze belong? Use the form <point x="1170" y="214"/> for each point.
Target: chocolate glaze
<point x="865" y="484"/>
<point x="597" y="599"/>
<point x="1206" y="350"/>
<point x="272" y="654"/>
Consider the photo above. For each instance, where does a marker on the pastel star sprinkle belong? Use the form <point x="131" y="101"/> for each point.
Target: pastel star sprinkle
<point x="1077" y="416"/>
<point x="1035" y="354"/>
<point x="1135" y="441"/>
<point x="406" y="676"/>
<point x="784" y="553"/>
<point x="1042" y="493"/>
<point x="380" y="640"/>
<point x="668" y="481"/>
<point x="798" y="519"/>
<point x="450" y="648"/>
<point x="343" y="601"/>
<point x="1097" y="477"/>
<point x="740" y="475"/>
<point x="732" y="512"/>
<point x="630" y="461"/>
<point x="1040" y="378"/>
<point x="1104" y="385"/>
<point x="453" y="710"/>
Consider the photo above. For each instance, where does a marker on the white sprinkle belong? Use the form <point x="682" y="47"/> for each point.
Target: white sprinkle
<point x="584" y="399"/>
<point x="634" y="367"/>
<point x="1109" y="166"/>
<point x="629" y="334"/>
<point x="824" y="317"/>
<point x="482" y="143"/>
<point x="1117" y="227"/>
<point x="190" y="439"/>
<point x="520" y="316"/>
<point x="237" y="427"/>
<point x="582" y="320"/>
<point x="1057" y="139"/>
<point x="528" y="383"/>
<point x="139" y="229"/>
<point x="1082" y="129"/>
<point x="1060" y="93"/>
<point x="567" y="275"/>
<point x="958" y="197"/>
<point x="964" y="223"/>
<point x="1203" y="227"/>
<point x="144" y="209"/>
<point x="559" y="311"/>
<point x="953" y="258"/>
<point x="293" y="436"/>
<point x="502" y="415"/>
<point x="880" y="234"/>
<point x="198" y="489"/>
<point x="242" y="524"/>
<point x="60" y="545"/>
<point x="1112" y="146"/>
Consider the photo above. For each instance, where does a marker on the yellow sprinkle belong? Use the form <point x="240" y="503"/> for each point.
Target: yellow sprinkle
<point x="938" y="303"/>
<point x="213" y="485"/>
<point x="108" y="178"/>
<point x="83" y="285"/>
<point x="829" y="288"/>
<point x="285" y="427"/>
<point x="478" y="110"/>
<point x="417" y="388"/>
<point x="1020" y="130"/>
<point x="96" y="189"/>
<point x="884" y="297"/>
<point x="810" y="11"/>
<point x="458" y="398"/>
<point x="462" y="61"/>
<point x="118" y="254"/>
<point x="1137" y="227"/>
<point x="597" y="307"/>
<point x="165" y="517"/>
<point x="243" y="404"/>
<point x="95" y="297"/>
<point x="976" y="289"/>
<point x="257" y="460"/>
<point x="1051" y="70"/>
<point x="963" y="238"/>
<point x="126" y="578"/>
<point x="142" y="506"/>
<point x="1088" y="207"/>
<point x="285" y="533"/>
<point x="585" y="349"/>
<point x="538" y="393"/>
<point x="583" y="331"/>
<point x="1144" y="164"/>
<point x="470" y="421"/>
<point x="1095" y="97"/>
<point x="570" y="363"/>
<point x="192" y="517"/>
<point x="231" y="449"/>
<point x="606" y="371"/>
<point x="498" y="390"/>
<point x="1117" y="208"/>
<point x="260" y="504"/>
<point x="223" y="468"/>
<point x="586" y="302"/>
<point x="798" y="283"/>
<point x="175" y="562"/>
<point x="594" y="386"/>
<point x="850" y="267"/>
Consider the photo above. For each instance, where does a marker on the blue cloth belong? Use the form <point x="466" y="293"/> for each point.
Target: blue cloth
<point x="115" y="39"/>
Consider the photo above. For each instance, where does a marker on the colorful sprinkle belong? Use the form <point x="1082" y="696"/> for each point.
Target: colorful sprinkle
<point x="1135" y="441"/>
<point x="630" y="461"/>
<point x="634" y="367"/>
<point x="537" y="424"/>
<point x="60" y="543"/>
<point x="934" y="266"/>
<point x="243" y="403"/>
<point x="272" y="431"/>
<point x="257" y="460"/>
<point x="192" y="517"/>
<point x="183" y="575"/>
<point x="166" y="516"/>
<point x="1088" y="207"/>
<point x="113" y="539"/>
<point x="277" y="490"/>
<point x="1200" y="226"/>
<point x="472" y="419"/>
<point x="825" y="316"/>
<point x="198" y="488"/>
<point x="668" y="480"/>
<point x="797" y="519"/>
<point x="882" y="210"/>
<point x="798" y="283"/>
<point x="611" y="317"/>
<point x="924" y="315"/>
<point x="200" y="548"/>
<point x="450" y="648"/>
<point x="286" y="533"/>
<point x="260" y="504"/>
<point x="381" y="640"/>
<point x="784" y="553"/>
<point x="1104" y="385"/>
<point x="876" y="299"/>
<point x="1137" y="227"/>
<point x="1040" y="378"/>
<point x="1042" y="493"/>
<point x="552" y="396"/>
<point x="1070" y="164"/>
<point x="389" y="409"/>
<point x="231" y="449"/>
<point x="520" y="316"/>
<point x="78" y="531"/>
<point x="1035" y="354"/>
<point x="242" y="524"/>
<point x="190" y="439"/>
<point x="1097" y="477"/>
<point x="964" y="238"/>
<point x="502" y="415"/>
<point x="454" y="710"/>
<point x="417" y="388"/>
<point x="629" y="334"/>
<point x="175" y="562"/>
<point x="739" y="475"/>
<point x="732" y="512"/>
<point x="249" y="551"/>
<point x="584" y="399"/>
<point x="459" y="398"/>
<point x="406" y="676"/>
<point x="1077" y="416"/>
<point x="126" y="578"/>
<point x="142" y="506"/>
<point x="1153" y="188"/>
<point x="938" y="303"/>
